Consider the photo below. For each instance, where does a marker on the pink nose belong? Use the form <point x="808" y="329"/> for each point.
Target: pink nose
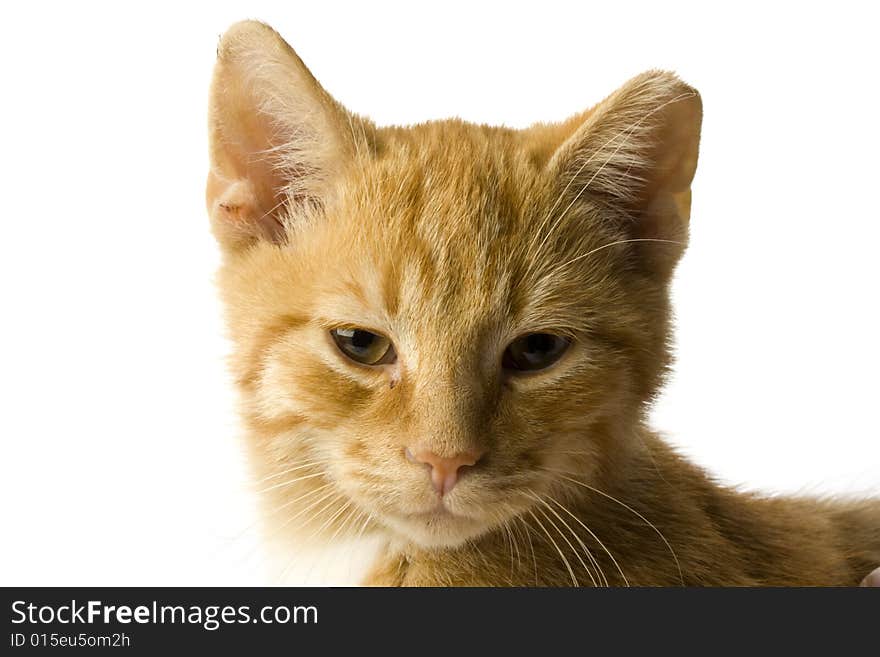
<point x="444" y="470"/>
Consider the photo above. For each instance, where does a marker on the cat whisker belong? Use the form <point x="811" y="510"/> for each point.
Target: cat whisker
<point x="509" y="540"/>
<point x="308" y="508"/>
<point x="517" y="532"/>
<point x="301" y="465"/>
<point x="304" y="496"/>
<point x="331" y="520"/>
<point x="631" y="510"/>
<point x="574" y="580"/>
<point x="596" y="538"/>
<point x="335" y="498"/>
<point x="592" y="560"/>
<point x="290" y="482"/>
<point x="277" y="530"/>
<point x="528" y="533"/>
<point x="353" y="514"/>
<point x="505" y="534"/>
<point x="595" y="562"/>
<point x="616" y="243"/>
<point x="513" y="541"/>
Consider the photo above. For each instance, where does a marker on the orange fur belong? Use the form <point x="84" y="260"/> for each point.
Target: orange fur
<point x="454" y="239"/>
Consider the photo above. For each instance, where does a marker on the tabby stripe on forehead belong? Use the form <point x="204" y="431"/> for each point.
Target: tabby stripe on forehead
<point x="391" y="287"/>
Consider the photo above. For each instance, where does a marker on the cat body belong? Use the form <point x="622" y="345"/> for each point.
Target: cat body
<point x="446" y="337"/>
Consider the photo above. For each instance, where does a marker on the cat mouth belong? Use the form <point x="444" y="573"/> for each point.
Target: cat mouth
<point x="439" y="527"/>
<point x="438" y="513"/>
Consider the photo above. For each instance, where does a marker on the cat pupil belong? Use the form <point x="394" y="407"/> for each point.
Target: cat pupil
<point x="539" y="343"/>
<point x="362" y="339"/>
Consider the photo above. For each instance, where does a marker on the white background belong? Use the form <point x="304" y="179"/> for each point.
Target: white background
<point x="120" y="459"/>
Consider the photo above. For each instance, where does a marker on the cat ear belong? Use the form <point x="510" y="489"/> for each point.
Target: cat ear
<point x="276" y="137"/>
<point x="636" y="153"/>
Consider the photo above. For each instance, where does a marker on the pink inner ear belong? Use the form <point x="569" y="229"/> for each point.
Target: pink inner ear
<point x="238" y="213"/>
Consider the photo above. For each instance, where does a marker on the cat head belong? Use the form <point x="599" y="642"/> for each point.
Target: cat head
<point x="430" y="322"/>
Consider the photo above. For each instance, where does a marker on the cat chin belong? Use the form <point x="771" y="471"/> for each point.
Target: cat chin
<point x="437" y="531"/>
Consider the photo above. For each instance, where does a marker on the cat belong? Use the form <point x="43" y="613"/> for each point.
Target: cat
<point x="446" y="336"/>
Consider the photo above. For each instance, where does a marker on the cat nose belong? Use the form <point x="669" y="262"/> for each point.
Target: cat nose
<point x="445" y="471"/>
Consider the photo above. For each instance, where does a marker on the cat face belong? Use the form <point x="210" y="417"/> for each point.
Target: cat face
<point x="428" y="322"/>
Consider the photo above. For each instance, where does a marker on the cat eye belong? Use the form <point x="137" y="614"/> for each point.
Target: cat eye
<point x="364" y="347"/>
<point x="535" y="351"/>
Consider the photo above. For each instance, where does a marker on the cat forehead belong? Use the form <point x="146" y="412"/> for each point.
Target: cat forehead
<point x="458" y="176"/>
<point x="433" y="236"/>
<point x="456" y="194"/>
<point x="443" y="207"/>
<point x="449" y="224"/>
<point x="408" y="276"/>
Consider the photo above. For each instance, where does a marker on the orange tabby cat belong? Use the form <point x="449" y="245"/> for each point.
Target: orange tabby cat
<point x="446" y="335"/>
